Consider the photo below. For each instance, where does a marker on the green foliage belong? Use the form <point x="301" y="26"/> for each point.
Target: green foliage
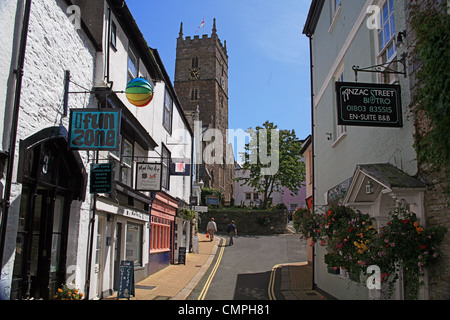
<point x="285" y="151"/>
<point x="207" y="191"/>
<point x="186" y="214"/>
<point x="431" y="25"/>
<point x="354" y="243"/>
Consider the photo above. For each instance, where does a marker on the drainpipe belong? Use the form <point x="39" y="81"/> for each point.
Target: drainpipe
<point x="312" y="148"/>
<point x="15" y="120"/>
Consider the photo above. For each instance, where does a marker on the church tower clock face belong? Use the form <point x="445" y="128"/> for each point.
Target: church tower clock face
<point x="194" y="74"/>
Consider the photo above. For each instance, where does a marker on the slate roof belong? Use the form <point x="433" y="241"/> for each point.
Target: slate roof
<point x="390" y="176"/>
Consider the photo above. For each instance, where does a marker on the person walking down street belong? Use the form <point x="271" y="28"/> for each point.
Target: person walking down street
<point x="232" y="232"/>
<point x="211" y="228"/>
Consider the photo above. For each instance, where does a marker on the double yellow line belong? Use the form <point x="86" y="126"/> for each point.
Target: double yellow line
<point x="213" y="272"/>
<point x="270" y="289"/>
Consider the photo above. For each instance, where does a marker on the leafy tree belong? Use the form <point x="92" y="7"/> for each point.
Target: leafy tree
<point x="273" y="159"/>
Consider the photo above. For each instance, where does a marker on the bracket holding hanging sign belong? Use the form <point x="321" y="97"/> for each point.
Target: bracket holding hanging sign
<point x="383" y="67"/>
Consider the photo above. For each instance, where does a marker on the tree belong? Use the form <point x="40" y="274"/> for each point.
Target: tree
<point x="273" y="159"/>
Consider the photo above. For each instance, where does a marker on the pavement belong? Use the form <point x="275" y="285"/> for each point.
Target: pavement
<point x="176" y="282"/>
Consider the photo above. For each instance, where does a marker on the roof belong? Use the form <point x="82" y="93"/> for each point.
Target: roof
<point x="390" y="176"/>
<point x="313" y="17"/>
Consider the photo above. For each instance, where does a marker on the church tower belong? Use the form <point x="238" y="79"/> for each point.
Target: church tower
<point x="201" y="84"/>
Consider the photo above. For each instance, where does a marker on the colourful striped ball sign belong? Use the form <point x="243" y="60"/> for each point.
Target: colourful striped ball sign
<point x="139" y="92"/>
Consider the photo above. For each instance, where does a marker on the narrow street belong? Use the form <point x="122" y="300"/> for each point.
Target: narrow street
<point x="243" y="271"/>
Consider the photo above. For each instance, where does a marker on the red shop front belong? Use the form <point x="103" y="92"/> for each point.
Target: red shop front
<point x="164" y="209"/>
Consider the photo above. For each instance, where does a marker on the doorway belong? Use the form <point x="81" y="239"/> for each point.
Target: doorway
<point x="39" y="268"/>
<point x="52" y="177"/>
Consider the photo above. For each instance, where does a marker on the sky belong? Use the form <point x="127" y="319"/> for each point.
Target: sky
<point x="268" y="67"/>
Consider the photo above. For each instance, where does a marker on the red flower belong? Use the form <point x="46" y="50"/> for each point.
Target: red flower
<point x="423" y="247"/>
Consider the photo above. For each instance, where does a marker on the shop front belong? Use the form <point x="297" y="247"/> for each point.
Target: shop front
<point x="121" y="235"/>
<point x="52" y="177"/>
<point x="164" y="209"/>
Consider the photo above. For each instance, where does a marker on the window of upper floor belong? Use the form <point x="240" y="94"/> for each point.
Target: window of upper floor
<point x="166" y="159"/>
<point x="133" y="65"/>
<point x="113" y="36"/>
<point x="168" y="112"/>
<point x="335" y="12"/>
<point x="386" y="41"/>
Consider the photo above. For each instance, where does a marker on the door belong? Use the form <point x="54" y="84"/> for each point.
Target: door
<point x="40" y="260"/>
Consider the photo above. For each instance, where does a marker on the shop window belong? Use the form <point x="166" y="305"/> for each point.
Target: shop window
<point x="133" y="250"/>
<point x="160" y="234"/>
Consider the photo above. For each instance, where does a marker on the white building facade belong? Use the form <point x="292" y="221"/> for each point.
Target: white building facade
<point x="81" y="55"/>
<point x="348" y="158"/>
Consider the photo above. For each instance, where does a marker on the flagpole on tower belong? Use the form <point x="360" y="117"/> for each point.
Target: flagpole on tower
<point x="201" y="25"/>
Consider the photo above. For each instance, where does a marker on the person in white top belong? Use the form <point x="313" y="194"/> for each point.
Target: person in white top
<point x="211" y="228"/>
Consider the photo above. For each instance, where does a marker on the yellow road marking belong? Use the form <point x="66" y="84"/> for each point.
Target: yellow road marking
<point x="270" y="289"/>
<point x="213" y="272"/>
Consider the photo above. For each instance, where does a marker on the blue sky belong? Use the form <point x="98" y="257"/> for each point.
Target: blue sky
<point x="269" y="76"/>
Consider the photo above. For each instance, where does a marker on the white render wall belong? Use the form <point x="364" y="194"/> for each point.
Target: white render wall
<point x="335" y="49"/>
<point x="53" y="46"/>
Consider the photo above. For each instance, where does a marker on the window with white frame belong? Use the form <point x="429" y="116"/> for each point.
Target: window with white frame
<point x="167" y="113"/>
<point x="386" y="35"/>
<point x="133" y="251"/>
<point x="340" y="130"/>
<point x="113" y="35"/>
<point x="165" y="167"/>
<point x="126" y="174"/>
<point x="133" y="65"/>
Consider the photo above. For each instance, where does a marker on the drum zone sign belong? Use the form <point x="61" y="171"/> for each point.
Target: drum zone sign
<point x="94" y="129"/>
<point x="369" y="104"/>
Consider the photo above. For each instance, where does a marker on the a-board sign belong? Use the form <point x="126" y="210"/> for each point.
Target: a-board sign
<point x="369" y="104"/>
<point x="126" y="280"/>
<point x="94" y="129"/>
<point x="101" y="178"/>
<point x="182" y="255"/>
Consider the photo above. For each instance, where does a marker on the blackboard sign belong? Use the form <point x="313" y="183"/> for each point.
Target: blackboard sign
<point x="101" y="178"/>
<point x="182" y="255"/>
<point x="369" y="104"/>
<point x="126" y="280"/>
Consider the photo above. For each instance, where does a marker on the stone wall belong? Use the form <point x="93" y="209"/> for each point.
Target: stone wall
<point x="436" y="199"/>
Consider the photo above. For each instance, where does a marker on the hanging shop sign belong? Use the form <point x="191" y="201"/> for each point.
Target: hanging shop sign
<point x="369" y="104"/>
<point x="94" y="129"/>
<point x="139" y="92"/>
<point x="148" y="176"/>
<point x="101" y="178"/>
<point x="180" y="167"/>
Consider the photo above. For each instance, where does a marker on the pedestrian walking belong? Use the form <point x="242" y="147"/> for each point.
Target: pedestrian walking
<point x="211" y="228"/>
<point x="232" y="232"/>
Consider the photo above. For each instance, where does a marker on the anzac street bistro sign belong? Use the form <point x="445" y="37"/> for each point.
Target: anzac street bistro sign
<point x="369" y="104"/>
